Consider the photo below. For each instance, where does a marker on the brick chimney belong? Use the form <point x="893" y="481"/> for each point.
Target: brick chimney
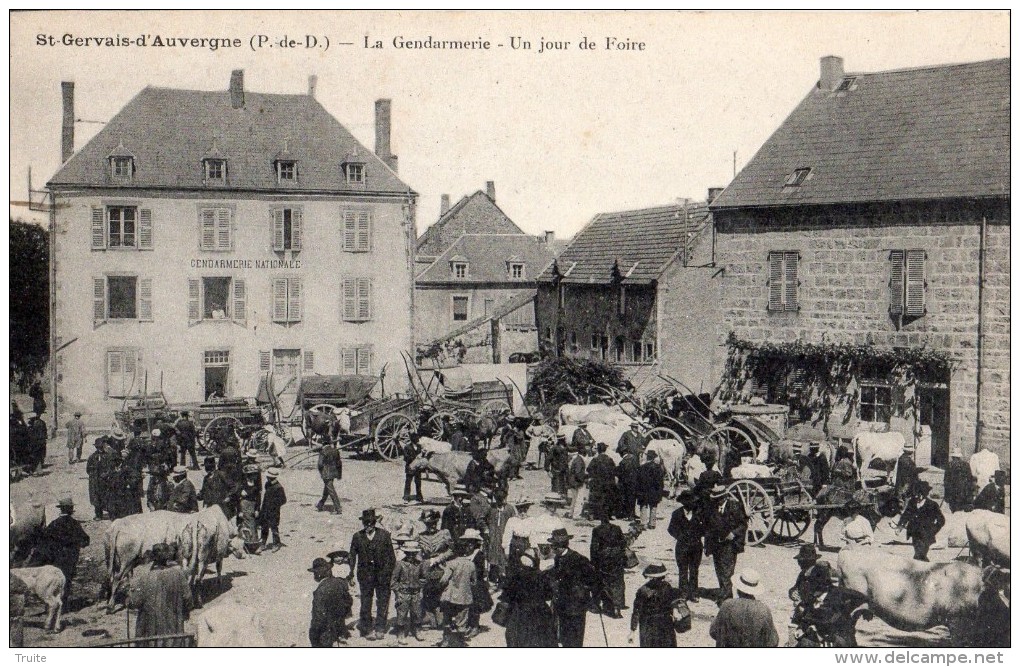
<point x="547" y="236"/>
<point x="313" y="81"/>
<point x="237" y="89"/>
<point x="490" y="189"/>
<point x="713" y="193"/>
<point x="382" y="133"/>
<point x="444" y="204"/>
<point x="67" y="124"/>
<point x="831" y="72"/>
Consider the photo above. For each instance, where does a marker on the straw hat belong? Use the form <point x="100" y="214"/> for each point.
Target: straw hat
<point x="747" y="581"/>
<point x="655" y="571"/>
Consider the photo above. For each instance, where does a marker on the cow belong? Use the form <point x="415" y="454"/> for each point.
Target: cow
<point x="130" y="538"/>
<point x="230" y="625"/>
<point x="670" y="454"/>
<point x="451" y="467"/>
<point x="482" y="429"/>
<point x="870" y="447"/>
<point x="913" y="595"/>
<point x="215" y="538"/>
<point x="988" y="535"/>
<point x="47" y="583"/>
<point x="983" y="465"/>
<point x="599" y="413"/>
<point x="28" y="519"/>
<point x="431" y="446"/>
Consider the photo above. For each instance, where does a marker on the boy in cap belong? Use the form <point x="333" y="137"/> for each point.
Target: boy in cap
<point x="458" y="582"/>
<point x="923" y="520"/>
<point x="273" y="500"/>
<point x="407" y="581"/>
<point x="331" y="604"/>
<point x="182" y="495"/>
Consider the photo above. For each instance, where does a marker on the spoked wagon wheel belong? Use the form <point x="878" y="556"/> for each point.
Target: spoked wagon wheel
<point x="466" y="416"/>
<point x="793" y="515"/>
<point x="219" y="431"/>
<point x="391" y="434"/>
<point x="494" y="408"/>
<point x="757" y="506"/>
<point x="729" y="437"/>
<point x="663" y="433"/>
<point x="436" y="426"/>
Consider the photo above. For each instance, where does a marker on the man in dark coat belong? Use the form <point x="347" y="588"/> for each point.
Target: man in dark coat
<point x="575" y="583"/>
<point x="95" y="467"/>
<point x="412" y="450"/>
<point x="35" y="392"/>
<point x="557" y="463"/>
<point x="958" y="483"/>
<point x="21" y="443"/>
<point x="744" y="621"/>
<point x="632" y="441"/>
<point x="187" y="437"/>
<point x="215" y="488"/>
<point x="725" y="533"/>
<point x="373" y="559"/>
<point x="582" y="440"/>
<point x="273" y="501"/>
<point x="609" y="558"/>
<point x="993" y="496"/>
<point x="331" y="468"/>
<point x="820" y="471"/>
<point x="626" y="473"/>
<point x="61" y="543"/>
<point x="37" y="437"/>
<point x="685" y="526"/>
<point x="576" y="477"/>
<point x="653" y="610"/>
<point x="602" y="491"/>
<point x="906" y="472"/>
<point x="182" y="493"/>
<point x="923" y="520"/>
<point x="480" y="474"/>
<point x="457" y="516"/>
<point x="331" y="604"/>
<point x="126" y="490"/>
<point x="651" y="479"/>
<point x="158" y="494"/>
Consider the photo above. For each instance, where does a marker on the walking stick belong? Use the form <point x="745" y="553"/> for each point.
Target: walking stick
<point x="127" y="620"/>
<point x="602" y="620"/>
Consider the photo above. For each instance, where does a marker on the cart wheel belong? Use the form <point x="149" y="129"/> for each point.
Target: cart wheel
<point x="391" y="434"/>
<point x="494" y="408"/>
<point x="727" y="437"/>
<point x="466" y="416"/>
<point x="323" y="408"/>
<point x="792" y="522"/>
<point x="216" y="426"/>
<point x="259" y="441"/>
<point x="663" y="433"/>
<point x="435" y="426"/>
<point x="757" y="506"/>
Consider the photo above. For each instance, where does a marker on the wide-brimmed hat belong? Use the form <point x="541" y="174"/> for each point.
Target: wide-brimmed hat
<point x="272" y="473"/>
<point x="180" y="470"/>
<point x="155" y="433"/>
<point x="718" y="491"/>
<point x="559" y="536"/>
<point x="460" y="490"/>
<point x="635" y="423"/>
<point x="430" y="516"/>
<point x="655" y="571"/>
<point x="908" y="446"/>
<point x="320" y="565"/>
<point x="339" y="556"/>
<point x="251" y="469"/>
<point x="471" y="534"/>
<point x="807" y="553"/>
<point x="922" y="486"/>
<point x="77" y="413"/>
<point x="403" y="536"/>
<point x="747" y="581"/>
<point x="554" y="499"/>
<point x="957" y="453"/>
<point x="65" y="502"/>
<point x="522" y="501"/>
<point x="369" y="516"/>
<point x="118" y="434"/>
<point x="687" y="498"/>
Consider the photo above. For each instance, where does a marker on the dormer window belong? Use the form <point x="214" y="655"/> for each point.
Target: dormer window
<point x="797" y="178"/>
<point x="215" y="170"/>
<point x="122" y="167"/>
<point x="848" y="83"/>
<point x="354" y="172"/>
<point x="286" y="171"/>
<point x="459" y="270"/>
<point x="516" y="270"/>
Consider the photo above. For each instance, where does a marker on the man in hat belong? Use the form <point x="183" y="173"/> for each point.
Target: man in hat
<point x="37" y="436"/>
<point x="582" y="440"/>
<point x="575" y="583"/>
<point x="20" y="444"/>
<point x="480" y="474"/>
<point x="825" y="617"/>
<point x="158" y="494"/>
<point x="161" y="595"/>
<point x="602" y="491"/>
<point x="923" y="520"/>
<point x="653" y="610"/>
<point x="95" y="467"/>
<point x="331" y="468"/>
<point x="187" y="437"/>
<point x="686" y="527"/>
<point x="215" y="488"/>
<point x="651" y="479"/>
<point x="331" y="605"/>
<point x="725" y="533"/>
<point x="61" y="542"/>
<point x="412" y="450"/>
<point x="406" y="583"/>
<point x="556" y="464"/>
<point x="481" y="599"/>
<point x="807" y="560"/>
<point x="512" y="438"/>
<point x="75" y="438"/>
<point x="906" y="472"/>
<point x="820" y="471"/>
<point x="373" y="560"/>
<point x="608" y="555"/>
<point x="459" y="582"/>
<point x="576" y="477"/>
<point x="126" y="489"/>
<point x="457" y="515"/>
<point x="626" y="474"/>
<point x="993" y="496"/>
<point x="958" y="483"/>
<point x="273" y="500"/>
<point x="743" y="621"/>
<point x="182" y="494"/>
<point x="458" y="439"/>
<point x="633" y="441"/>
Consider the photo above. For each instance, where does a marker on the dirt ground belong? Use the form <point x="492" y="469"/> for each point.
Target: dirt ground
<point x="278" y="586"/>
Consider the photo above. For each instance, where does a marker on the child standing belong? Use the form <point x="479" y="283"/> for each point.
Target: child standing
<point x="408" y="578"/>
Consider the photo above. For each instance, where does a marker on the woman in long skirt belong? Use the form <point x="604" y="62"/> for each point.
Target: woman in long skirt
<point x="436" y="548"/>
<point x="653" y="610"/>
<point x="527" y="591"/>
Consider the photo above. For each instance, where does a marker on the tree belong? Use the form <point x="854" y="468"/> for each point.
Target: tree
<point x="568" y="380"/>
<point x="29" y="301"/>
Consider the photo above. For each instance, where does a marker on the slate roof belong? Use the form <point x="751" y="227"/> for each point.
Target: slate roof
<point x="487" y="256"/>
<point x="499" y="312"/>
<point x="169" y="132"/>
<point x="641" y="243"/>
<point x="926" y="133"/>
<point x="473" y="214"/>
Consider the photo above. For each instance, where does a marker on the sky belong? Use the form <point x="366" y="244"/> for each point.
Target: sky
<point x="564" y="133"/>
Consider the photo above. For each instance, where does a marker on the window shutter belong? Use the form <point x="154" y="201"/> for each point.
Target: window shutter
<point x="309" y="365"/>
<point x="240" y="305"/>
<point x="364" y="299"/>
<point x="145" y="299"/>
<point x="915" y="283"/>
<point x="207" y="237"/>
<point x="194" y="300"/>
<point x="265" y="359"/>
<point x="350" y="301"/>
<point x="98" y="228"/>
<point x="223" y="235"/>
<point x="365" y="360"/>
<point x="145" y="229"/>
<point x="279" y="300"/>
<point x="114" y="373"/>
<point x="775" y="281"/>
<point x="278" y="241"/>
<point x="792" y="260"/>
<point x="99" y="301"/>
<point x="364" y="232"/>
<point x="294" y="300"/>
<point x="295" y="229"/>
<point x="349" y="230"/>
<point x="896" y="282"/>
<point x="348" y="361"/>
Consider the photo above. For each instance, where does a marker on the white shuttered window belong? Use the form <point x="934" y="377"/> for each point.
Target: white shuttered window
<point x="122" y="372"/>
<point x="216" y="228"/>
<point x="286" y="306"/>
<point x="356" y="360"/>
<point x="357" y="299"/>
<point x="783" y="282"/>
<point x="357" y="230"/>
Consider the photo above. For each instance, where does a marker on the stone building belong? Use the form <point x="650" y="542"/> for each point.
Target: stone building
<point x="877" y="215"/>
<point x="638" y="288"/>
<point x="202" y="239"/>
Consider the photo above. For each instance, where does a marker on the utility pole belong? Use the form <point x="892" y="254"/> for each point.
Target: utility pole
<point x="734" y="164"/>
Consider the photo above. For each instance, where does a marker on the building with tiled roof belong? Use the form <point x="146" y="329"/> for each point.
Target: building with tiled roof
<point x="636" y="288"/>
<point x="474" y="214"/>
<point x="877" y="216"/>
<point x="204" y="239"/>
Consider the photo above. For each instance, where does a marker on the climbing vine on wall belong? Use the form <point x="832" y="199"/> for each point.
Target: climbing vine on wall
<point x="826" y="375"/>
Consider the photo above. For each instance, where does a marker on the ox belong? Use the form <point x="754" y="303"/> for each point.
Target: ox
<point x="913" y="595"/>
<point x="28" y="519"/>
<point x="47" y="583"/>
<point x="988" y="535"/>
<point x="983" y="465"/>
<point x="598" y="413"/>
<point x="870" y="447"/>
<point x="215" y="538"/>
<point x="230" y="625"/>
<point x="450" y="467"/>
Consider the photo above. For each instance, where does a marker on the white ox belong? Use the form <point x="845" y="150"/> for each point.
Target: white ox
<point x="988" y="534"/>
<point x="598" y="413"/>
<point x="983" y="465"/>
<point x="47" y="583"/>
<point x="870" y="447"/>
<point x="230" y="625"/>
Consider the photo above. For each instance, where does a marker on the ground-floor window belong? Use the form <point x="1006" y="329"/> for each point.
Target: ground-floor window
<point x="876" y="403"/>
<point x="122" y="372"/>
<point x="216" y="373"/>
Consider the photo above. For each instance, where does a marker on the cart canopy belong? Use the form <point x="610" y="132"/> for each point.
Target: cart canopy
<point x="336" y="389"/>
<point x="455" y="381"/>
